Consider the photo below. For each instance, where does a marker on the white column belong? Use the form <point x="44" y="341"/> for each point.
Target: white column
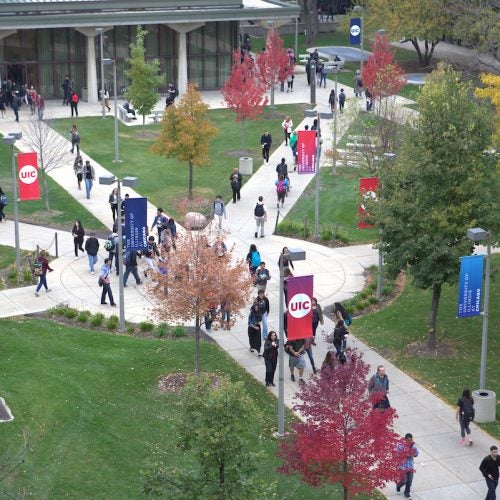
<point x="182" y="69"/>
<point x="92" y="96"/>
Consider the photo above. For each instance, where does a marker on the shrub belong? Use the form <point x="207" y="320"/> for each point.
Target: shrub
<point x="360" y="305"/>
<point x="71" y="313"/>
<point x="387" y="289"/>
<point x="58" y="310"/>
<point x="97" y="319"/>
<point x="12" y="275"/>
<point x="372" y="286"/>
<point x="373" y="300"/>
<point x="83" y="316"/>
<point x="288" y="227"/>
<point x="146" y="326"/>
<point x="179" y="331"/>
<point x="162" y="329"/>
<point x="27" y="276"/>
<point x="364" y="294"/>
<point x="112" y="322"/>
<point x="130" y="329"/>
<point x="326" y="234"/>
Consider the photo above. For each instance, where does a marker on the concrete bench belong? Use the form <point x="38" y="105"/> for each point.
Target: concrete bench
<point x="123" y="115"/>
<point x="156" y="115"/>
<point x="334" y="65"/>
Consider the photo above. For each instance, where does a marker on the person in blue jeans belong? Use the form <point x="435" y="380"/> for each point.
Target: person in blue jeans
<point x="105" y="282"/>
<point x="489" y="468"/>
<point x="89" y="177"/>
<point x="131" y="267"/>
<point x="407" y="450"/>
<point x="44" y="263"/>
<point x="92" y="247"/>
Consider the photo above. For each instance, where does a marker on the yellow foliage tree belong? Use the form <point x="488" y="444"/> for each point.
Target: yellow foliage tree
<point x="491" y="91"/>
<point x="186" y="132"/>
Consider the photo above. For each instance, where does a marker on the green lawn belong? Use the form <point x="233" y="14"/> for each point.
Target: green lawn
<point x="94" y="396"/>
<point x="393" y="330"/>
<point x="64" y="208"/>
<point x="165" y="181"/>
<point x="338" y="204"/>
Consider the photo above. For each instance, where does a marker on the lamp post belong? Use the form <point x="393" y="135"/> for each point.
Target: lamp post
<point x="11" y="139"/>
<point x="477" y="234"/>
<point x="113" y="62"/>
<point x="108" y="180"/>
<point x="295" y="254"/>
<point x="101" y="43"/>
<point x="328" y="116"/>
<point x="312" y="79"/>
<point x="334" y="169"/>
<point x="359" y="10"/>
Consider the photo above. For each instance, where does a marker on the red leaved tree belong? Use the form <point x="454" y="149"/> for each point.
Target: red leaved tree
<point x="343" y="439"/>
<point x="273" y="63"/>
<point x="243" y="92"/>
<point x="194" y="279"/>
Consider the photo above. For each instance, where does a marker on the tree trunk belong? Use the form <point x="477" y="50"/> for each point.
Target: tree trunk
<point x="243" y="134"/>
<point x="414" y="42"/>
<point x="436" y="294"/>
<point x="45" y="190"/>
<point x="190" y="189"/>
<point x="272" y="96"/>
<point x="222" y="478"/>
<point x="346" y="493"/>
<point x="197" y="345"/>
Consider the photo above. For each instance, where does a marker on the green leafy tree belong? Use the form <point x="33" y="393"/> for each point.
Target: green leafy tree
<point x="440" y="185"/>
<point x="423" y="23"/>
<point x="186" y="132"/>
<point x="217" y="421"/>
<point x="144" y="77"/>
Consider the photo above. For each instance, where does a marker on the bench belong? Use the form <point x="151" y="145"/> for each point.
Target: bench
<point x="334" y="65"/>
<point x="156" y="115"/>
<point x="123" y="115"/>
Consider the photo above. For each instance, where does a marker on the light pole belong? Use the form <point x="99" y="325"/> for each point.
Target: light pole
<point x="312" y="79"/>
<point x="359" y="10"/>
<point x="11" y="139"/>
<point x="101" y="43"/>
<point x="295" y="254"/>
<point x="108" y="180"/>
<point x="477" y="234"/>
<point x="328" y="116"/>
<point x="113" y="62"/>
<point x="334" y="169"/>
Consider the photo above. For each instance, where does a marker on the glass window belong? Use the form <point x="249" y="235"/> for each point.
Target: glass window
<point x="167" y="40"/>
<point x="46" y="84"/>
<point x="44" y="44"/>
<point x="61" y="52"/>
<point x="151" y="40"/>
<point x="78" y="71"/>
<point x="122" y="39"/>
<point x="210" y="72"/>
<point x="195" y="42"/>
<point x="13" y="47"/>
<point x="210" y="38"/>
<point x="29" y="45"/>
<point x="195" y="69"/>
<point x="78" y="45"/>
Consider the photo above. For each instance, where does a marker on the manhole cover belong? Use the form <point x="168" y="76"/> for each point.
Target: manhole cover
<point x="5" y="414"/>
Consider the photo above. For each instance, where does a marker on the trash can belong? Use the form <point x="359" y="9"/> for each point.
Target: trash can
<point x="484" y="405"/>
<point x="246" y="165"/>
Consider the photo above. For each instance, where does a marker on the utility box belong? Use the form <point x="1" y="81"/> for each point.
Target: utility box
<point x="246" y="165"/>
<point x="485" y="402"/>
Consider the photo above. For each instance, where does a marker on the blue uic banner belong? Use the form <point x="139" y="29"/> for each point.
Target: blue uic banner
<point x="136" y="225"/>
<point x="355" y="31"/>
<point x="470" y="286"/>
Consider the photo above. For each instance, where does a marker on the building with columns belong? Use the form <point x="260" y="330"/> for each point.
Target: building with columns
<point x="41" y="41"/>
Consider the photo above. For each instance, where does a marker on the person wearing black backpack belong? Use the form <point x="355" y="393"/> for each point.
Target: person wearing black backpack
<point x="3" y="203"/>
<point x="260" y="214"/>
<point x="465" y="415"/>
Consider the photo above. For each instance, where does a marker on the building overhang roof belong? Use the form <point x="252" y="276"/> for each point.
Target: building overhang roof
<point x="31" y="14"/>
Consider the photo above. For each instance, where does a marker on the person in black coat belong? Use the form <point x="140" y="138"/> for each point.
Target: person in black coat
<point x="236" y="180"/>
<point x="254" y="319"/>
<point x="266" y="140"/>
<point x="271" y="357"/>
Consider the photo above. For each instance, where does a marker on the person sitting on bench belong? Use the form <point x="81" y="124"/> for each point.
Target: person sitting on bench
<point x="129" y="109"/>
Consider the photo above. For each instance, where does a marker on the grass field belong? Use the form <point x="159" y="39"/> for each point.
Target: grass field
<point x="394" y="330"/>
<point x="95" y="398"/>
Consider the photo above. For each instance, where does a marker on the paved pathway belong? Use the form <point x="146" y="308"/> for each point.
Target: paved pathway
<point x="444" y="469"/>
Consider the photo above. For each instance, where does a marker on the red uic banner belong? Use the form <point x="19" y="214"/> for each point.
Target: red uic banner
<point x="306" y="152"/>
<point x="27" y="171"/>
<point x="299" y="314"/>
<point x="368" y="187"/>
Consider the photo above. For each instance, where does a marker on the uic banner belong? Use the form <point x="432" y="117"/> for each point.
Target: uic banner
<point x="27" y="171"/>
<point x="299" y="314"/>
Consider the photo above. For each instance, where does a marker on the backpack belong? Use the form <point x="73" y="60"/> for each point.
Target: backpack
<point x="348" y="320"/>
<point x="280" y="187"/>
<point x="109" y="245"/>
<point x="255" y="259"/>
<point x="176" y="92"/>
<point x="74" y="98"/>
<point x="468" y="410"/>
<point x="259" y="210"/>
<point x="4" y="200"/>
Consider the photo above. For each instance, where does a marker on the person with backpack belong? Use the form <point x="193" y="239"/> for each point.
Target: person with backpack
<point x="16" y="104"/>
<point x="172" y="93"/>
<point x="293" y="145"/>
<point x="74" y="102"/>
<point x="150" y="254"/>
<point x="262" y="276"/>
<point x="43" y="264"/>
<point x="260" y="214"/>
<point x="105" y="282"/>
<point x="110" y="245"/>
<point x="218" y="210"/>
<point x="282" y="168"/>
<point x="342" y="98"/>
<point x="89" y="176"/>
<point x="75" y="139"/>
<point x="3" y="203"/>
<point x="379" y="387"/>
<point x="130" y="261"/>
<point x="160" y="221"/>
<point x="253" y="259"/>
<point x="92" y="247"/>
<point x="332" y="101"/>
<point x="465" y="415"/>
<point x="281" y="190"/>
<point x="322" y="79"/>
<point x="358" y="84"/>
<point x="236" y="180"/>
<point x="341" y="314"/>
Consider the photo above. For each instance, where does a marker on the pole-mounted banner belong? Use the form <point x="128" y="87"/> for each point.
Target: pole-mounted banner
<point x="299" y="314"/>
<point x="470" y="288"/>
<point x="355" y="31"/>
<point x="136" y="225"/>
<point x="368" y="187"/>
<point x="27" y="171"/>
<point x="306" y="151"/>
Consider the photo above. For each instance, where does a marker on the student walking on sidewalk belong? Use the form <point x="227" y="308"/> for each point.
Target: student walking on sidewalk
<point x="260" y="214"/>
<point x="407" y="450"/>
<point x="104" y="282"/>
<point x="43" y="266"/>
<point x="489" y="468"/>
<point x="465" y="415"/>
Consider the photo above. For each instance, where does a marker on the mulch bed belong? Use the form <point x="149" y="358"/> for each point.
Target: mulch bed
<point x="174" y="382"/>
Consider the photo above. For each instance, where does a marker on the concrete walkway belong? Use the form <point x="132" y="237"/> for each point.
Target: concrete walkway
<point x="444" y="469"/>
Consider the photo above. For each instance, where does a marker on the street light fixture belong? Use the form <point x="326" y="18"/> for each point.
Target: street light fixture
<point x="107" y="62"/>
<point x="11" y="140"/>
<point x="359" y="10"/>
<point x="295" y="254"/>
<point x="477" y="234"/>
<point x="312" y="113"/>
<point x="108" y="180"/>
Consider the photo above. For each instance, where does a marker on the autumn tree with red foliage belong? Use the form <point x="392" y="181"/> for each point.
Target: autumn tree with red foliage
<point x="194" y="279"/>
<point x="273" y="63"/>
<point x="343" y="439"/>
<point x="243" y="92"/>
